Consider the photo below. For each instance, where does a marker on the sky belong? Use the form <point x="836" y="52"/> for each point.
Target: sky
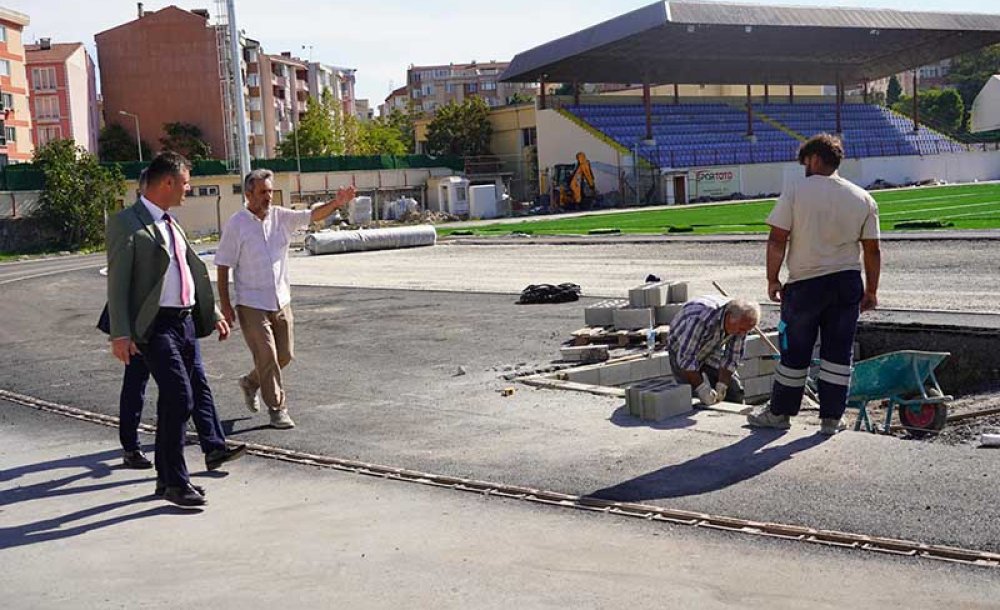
<point x="381" y="38"/>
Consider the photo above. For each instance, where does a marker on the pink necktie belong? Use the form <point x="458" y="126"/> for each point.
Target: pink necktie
<point x="175" y="238"/>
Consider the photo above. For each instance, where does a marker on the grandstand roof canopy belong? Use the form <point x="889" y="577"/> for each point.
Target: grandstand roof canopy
<point x="720" y="43"/>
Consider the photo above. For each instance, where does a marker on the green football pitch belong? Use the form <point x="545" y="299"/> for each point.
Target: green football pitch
<point x="953" y="207"/>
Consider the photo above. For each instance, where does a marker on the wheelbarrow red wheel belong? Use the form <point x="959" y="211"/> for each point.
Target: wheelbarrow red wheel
<point x="921" y="420"/>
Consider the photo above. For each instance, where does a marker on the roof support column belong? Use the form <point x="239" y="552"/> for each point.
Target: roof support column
<point x="767" y="93"/>
<point x="541" y="95"/>
<point x="916" y="105"/>
<point x="648" y="105"/>
<point x="749" y="113"/>
<point x="677" y="94"/>
<point x="840" y="101"/>
<point x="791" y="93"/>
<point x="576" y="93"/>
<point x="866" y="91"/>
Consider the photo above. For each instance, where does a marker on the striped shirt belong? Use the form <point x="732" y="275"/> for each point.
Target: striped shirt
<point x="698" y="336"/>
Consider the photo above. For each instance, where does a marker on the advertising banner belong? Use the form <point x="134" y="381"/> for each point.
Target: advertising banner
<point x="715" y="181"/>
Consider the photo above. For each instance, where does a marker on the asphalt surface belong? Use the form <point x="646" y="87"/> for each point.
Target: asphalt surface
<point x="77" y="531"/>
<point x="376" y="379"/>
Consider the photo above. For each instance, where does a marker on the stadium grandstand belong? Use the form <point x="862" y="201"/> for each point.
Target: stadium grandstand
<point x="770" y="50"/>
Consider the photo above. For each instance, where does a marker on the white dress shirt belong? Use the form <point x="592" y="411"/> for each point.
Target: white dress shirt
<point x="171" y="294"/>
<point x="257" y="252"/>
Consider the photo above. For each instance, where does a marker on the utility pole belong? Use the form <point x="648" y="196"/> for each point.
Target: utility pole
<point x="240" y="111"/>
<point x="138" y="141"/>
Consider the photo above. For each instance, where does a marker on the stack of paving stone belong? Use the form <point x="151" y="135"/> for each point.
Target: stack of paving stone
<point x="652" y="304"/>
<point x="658" y="399"/>
<point x="757" y="368"/>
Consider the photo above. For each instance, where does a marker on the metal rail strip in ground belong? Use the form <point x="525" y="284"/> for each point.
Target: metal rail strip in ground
<point x="879" y="544"/>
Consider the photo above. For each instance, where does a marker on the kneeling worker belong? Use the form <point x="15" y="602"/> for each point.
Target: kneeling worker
<point x="706" y="344"/>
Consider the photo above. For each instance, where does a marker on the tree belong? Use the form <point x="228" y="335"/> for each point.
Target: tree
<point x="520" y="97"/>
<point x="320" y="132"/>
<point x="942" y="109"/>
<point x="380" y="137"/>
<point x="893" y="91"/>
<point x="403" y="122"/>
<point x="78" y="192"/>
<point x="185" y="138"/>
<point x="461" y="129"/>
<point x="116" y="145"/>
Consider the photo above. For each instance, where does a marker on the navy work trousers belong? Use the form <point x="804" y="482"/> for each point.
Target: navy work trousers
<point x="174" y="359"/>
<point x="827" y="306"/>
<point x="211" y="436"/>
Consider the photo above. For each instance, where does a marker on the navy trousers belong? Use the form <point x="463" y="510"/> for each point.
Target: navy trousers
<point x="174" y="359"/>
<point x="827" y="306"/>
<point x="211" y="436"/>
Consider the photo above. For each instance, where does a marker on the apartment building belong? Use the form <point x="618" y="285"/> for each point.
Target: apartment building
<point x="16" y="139"/>
<point x="160" y="68"/>
<point x="398" y="100"/>
<point x="63" y="93"/>
<point x="338" y="80"/>
<point x="432" y="86"/>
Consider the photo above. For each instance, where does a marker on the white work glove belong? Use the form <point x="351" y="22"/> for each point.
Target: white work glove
<point x="706" y="394"/>
<point x="721" y="390"/>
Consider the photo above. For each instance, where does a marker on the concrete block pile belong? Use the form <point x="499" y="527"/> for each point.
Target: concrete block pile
<point x="654" y="303"/>
<point x="658" y="399"/>
<point x="756" y="371"/>
<point x="584" y="353"/>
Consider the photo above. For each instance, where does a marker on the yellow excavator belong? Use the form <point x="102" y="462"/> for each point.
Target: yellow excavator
<point x="573" y="185"/>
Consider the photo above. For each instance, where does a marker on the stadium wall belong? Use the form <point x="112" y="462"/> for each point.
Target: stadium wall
<point x="559" y="139"/>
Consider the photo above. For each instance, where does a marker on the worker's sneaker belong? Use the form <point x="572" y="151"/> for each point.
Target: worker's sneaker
<point x="249" y="395"/>
<point x="831" y="426"/>
<point x="763" y="418"/>
<point x="281" y="420"/>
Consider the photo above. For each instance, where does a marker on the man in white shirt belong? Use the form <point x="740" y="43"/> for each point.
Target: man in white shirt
<point x="824" y="223"/>
<point x="254" y="245"/>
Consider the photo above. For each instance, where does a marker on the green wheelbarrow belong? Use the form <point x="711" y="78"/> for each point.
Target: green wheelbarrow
<point x="906" y="381"/>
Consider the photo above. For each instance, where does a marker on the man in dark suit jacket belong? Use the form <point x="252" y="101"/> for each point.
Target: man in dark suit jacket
<point x="160" y="302"/>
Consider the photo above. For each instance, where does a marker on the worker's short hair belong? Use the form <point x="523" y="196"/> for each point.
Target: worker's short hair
<point x="827" y="146"/>
<point x="741" y="309"/>
<point x="257" y="175"/>
<point x="167" y="164"/>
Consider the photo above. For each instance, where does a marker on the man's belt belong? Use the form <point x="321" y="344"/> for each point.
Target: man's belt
<point x="174" y="313"/>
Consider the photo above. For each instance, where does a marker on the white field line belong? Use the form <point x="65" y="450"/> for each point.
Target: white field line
<point x="970" y="215"/>
<point x="930" y="198"/>
<point x="949" y="207"/>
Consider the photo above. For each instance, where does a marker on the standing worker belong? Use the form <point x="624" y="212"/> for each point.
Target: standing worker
<point x="255" y="245"/>
<point x="160" y="302"/>
<point x="819" y="222"/>
<point x="706" y="345"/>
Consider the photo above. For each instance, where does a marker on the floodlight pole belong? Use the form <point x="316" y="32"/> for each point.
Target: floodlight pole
<point x="138" y="141"/>
<point x="240" y="111"/>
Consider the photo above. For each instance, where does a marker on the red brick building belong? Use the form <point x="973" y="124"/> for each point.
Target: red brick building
<point x="63" y="93"/>
<point x="163" y="67"/>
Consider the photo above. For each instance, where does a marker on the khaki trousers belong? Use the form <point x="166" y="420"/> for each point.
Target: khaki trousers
<point x="270" y="338"/>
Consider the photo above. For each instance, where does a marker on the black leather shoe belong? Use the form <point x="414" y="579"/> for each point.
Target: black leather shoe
<point x="217" y="458"/>
<point x="135" y="460"/>
<point x="184" y="496"/>
<point x="161" y="488"/>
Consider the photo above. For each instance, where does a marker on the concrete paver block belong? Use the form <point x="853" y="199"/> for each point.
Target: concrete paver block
<point x="665" y="314"/>
<point x="584" y="353"/>
<point x="646" y="368"/>
<point x="755" y="347"/>
<point x="678" y="292"/>
<point x="601" y="313"/>
<point x="615" y="374"/>
<point x="757" y="367"/>
<point x="668" y="400"/>
<point x="590" y="375"/>
<point x="653" y="294"/>
<point x="757" y="386"/>
<point x="632" y="318"/>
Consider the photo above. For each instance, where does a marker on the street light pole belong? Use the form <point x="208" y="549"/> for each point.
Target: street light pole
<point x="138" y="140"/>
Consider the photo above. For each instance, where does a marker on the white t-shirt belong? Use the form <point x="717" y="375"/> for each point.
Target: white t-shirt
<point x="257" y="252"/>
<point x="827" y="217"/>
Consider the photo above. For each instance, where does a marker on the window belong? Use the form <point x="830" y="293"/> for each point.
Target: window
<point x="3" y="33"/>
<point x="46" y="107"/>
<point x="529" y="136"/>
<point x="205" y="191"/>
<point x="460" y="193"/>
<point x="490" y="85"/>
<point x="4" y="67"/>
<point x="471" y="87"/>
<point x="6" y="101"/>
<point x="11" y="134"/>
<point x="253" y="80"/>
<point x="49" y="134"/>
<point x="429" y="90"/>
<point x="44" y="79"/>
